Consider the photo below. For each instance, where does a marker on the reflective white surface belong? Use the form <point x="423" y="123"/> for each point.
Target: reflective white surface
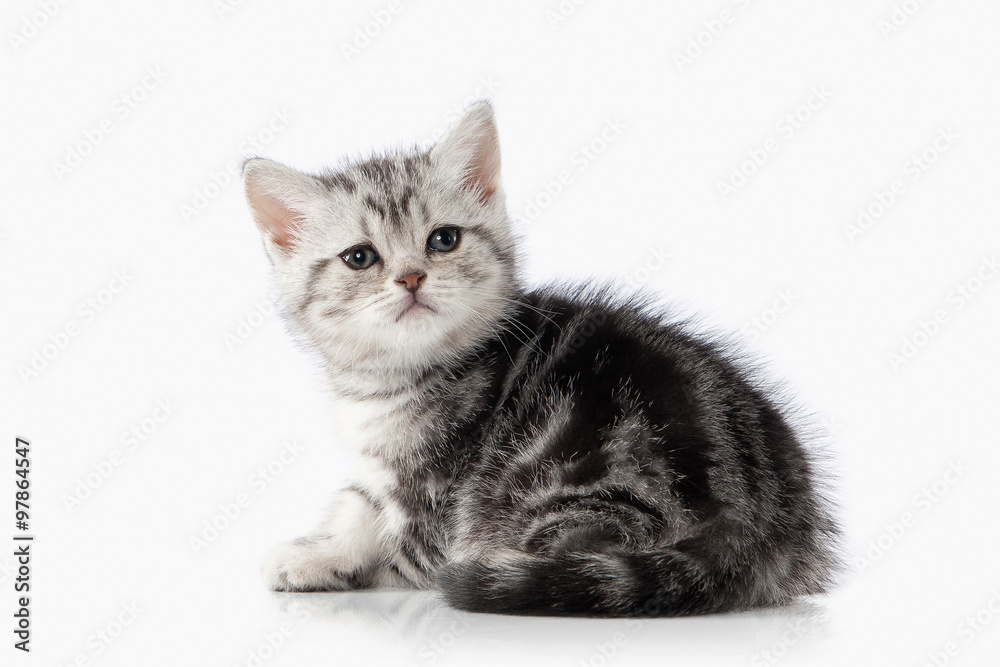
<point x="122" y="486"/>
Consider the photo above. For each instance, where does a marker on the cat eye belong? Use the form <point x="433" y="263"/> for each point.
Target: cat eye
<point x="443" y="239"/>
<point x="360" y="257"/>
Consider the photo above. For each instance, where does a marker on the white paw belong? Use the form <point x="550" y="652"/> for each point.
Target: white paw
<point x="302" y="566"/>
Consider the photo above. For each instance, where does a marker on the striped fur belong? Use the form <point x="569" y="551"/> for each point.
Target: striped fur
<point x="556" y="451"/>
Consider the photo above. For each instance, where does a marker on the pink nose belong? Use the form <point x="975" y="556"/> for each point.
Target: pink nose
<point x="412" y="281"/>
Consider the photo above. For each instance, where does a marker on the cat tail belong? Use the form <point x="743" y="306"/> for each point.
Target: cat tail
<point x="662" y="582"/>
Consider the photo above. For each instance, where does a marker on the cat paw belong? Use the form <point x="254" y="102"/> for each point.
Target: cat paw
<point x="299" y="567"/>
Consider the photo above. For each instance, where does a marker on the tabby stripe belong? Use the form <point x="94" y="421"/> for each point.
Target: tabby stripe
<point x="364" y="493"/>
<point x="415" y="385"/>
<point x="412" y="559"/>
<point x="375" y="207"/>
<point x="340" y="180"/>
<point x="315" y="274"/>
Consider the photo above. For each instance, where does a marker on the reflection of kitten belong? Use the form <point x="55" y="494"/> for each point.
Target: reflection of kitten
<point x="543" y="452"/>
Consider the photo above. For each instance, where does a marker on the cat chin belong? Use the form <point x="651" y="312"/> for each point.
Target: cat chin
<point x="425" y="340"/>
<point x="415" y="310"/>
<point x="421" y="338"/>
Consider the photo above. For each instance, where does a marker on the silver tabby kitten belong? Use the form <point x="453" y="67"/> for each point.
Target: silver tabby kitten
<point x="531" y="452"/>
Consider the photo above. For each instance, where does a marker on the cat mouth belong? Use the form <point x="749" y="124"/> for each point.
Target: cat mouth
<point x="413" y="308"/>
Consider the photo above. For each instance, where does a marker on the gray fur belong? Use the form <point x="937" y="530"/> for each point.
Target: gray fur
<point x="555" y="451"/>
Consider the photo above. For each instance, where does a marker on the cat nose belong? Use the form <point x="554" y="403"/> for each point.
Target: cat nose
<point x="412" y="281"/>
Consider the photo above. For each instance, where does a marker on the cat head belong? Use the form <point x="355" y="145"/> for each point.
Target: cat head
<point x="405" y="259"/>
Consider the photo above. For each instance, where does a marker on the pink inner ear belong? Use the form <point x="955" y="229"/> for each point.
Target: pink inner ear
<point x="276" y="219"/>
<point x="483" y="171"/>
<point x="482" y="177"/>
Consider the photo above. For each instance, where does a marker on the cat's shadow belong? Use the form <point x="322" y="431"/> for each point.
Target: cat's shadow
<point x="422" y="620"/>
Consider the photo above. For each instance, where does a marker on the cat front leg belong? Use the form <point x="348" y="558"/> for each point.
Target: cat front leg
<point x="342" y="553"/>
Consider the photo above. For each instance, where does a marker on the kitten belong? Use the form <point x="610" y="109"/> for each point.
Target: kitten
<point x="549" y="451"/>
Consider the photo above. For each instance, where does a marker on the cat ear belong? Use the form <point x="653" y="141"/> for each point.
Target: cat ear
<point x="279" y="197"/>
<point x="471" y="150"/>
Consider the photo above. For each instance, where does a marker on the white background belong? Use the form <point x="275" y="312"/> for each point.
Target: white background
<point x="921" y="536"/>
